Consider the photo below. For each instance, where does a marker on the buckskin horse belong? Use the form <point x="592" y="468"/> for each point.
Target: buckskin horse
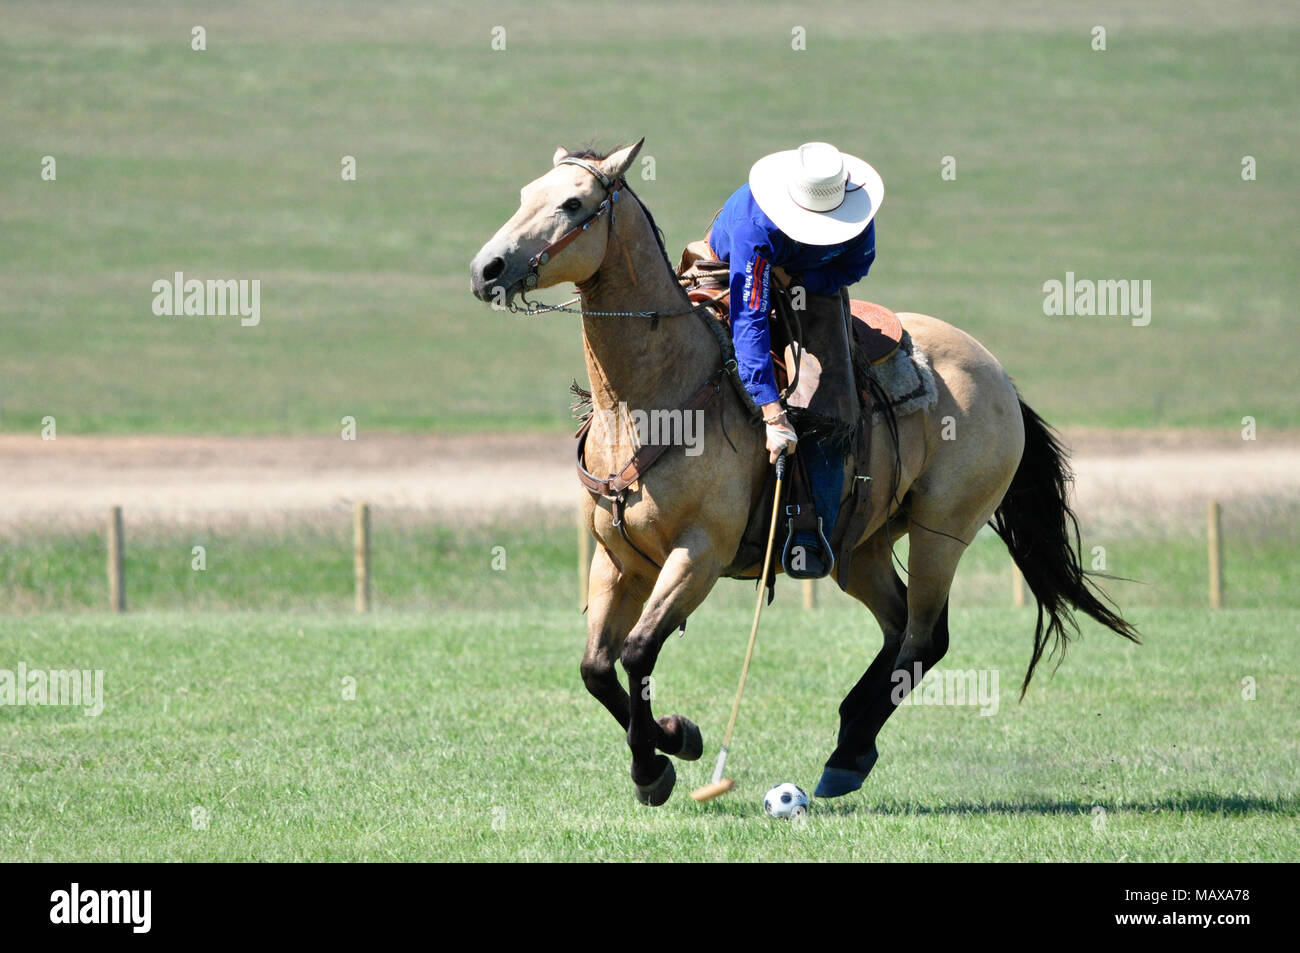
<point x="668" y="532"/>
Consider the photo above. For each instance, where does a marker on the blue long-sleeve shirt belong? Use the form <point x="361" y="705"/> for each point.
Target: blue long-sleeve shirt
<point x="749" y="241"/>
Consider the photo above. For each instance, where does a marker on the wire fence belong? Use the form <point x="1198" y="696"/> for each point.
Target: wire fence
<point x="372" y="558"/>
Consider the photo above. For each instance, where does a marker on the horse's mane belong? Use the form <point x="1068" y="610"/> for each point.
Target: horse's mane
<point x="595" y="155"/>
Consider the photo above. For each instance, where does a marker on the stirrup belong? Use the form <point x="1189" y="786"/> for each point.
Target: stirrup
<point x="817" y="562"/>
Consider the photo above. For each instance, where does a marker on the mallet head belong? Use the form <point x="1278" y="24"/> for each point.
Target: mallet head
<point x="713" y="789"/>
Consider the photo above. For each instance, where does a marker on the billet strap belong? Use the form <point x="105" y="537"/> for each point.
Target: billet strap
<point x="783" y="308"/>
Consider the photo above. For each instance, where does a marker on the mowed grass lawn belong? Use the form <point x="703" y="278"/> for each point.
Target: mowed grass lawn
<point x="471" y="737"/>
<point x="1122" y="164"/>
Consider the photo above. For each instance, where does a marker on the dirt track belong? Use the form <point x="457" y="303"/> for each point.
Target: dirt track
<point x="74" y="479"/>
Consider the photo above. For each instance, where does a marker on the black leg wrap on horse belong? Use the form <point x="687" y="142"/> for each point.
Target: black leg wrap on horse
<point x="836" y="782"/>
<point x="661" y="788"/>
<point x="692" y="746"/>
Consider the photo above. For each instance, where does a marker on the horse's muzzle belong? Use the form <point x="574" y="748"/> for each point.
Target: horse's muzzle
<point x="487" y="279"/>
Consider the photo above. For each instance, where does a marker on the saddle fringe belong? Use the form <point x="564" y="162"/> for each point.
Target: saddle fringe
<point x="832" y="433"/>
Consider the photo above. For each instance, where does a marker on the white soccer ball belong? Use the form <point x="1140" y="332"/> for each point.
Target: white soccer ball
<point x="785" y="800"/>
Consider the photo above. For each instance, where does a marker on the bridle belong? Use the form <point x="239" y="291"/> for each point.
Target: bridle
<point x="613" y="189"/>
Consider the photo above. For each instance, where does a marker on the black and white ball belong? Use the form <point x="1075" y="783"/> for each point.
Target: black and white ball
<point x="785" y="800"/>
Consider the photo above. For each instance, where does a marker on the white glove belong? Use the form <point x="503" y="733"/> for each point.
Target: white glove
<point x="780" y="437"/>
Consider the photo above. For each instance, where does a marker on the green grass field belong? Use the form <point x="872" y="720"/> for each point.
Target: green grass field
<point x="225" y="163"/>
<point x="471" y="737"/>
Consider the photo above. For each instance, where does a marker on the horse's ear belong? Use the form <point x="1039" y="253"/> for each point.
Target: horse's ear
<point x="620" y="161"/>
<point x="560" y="153"/>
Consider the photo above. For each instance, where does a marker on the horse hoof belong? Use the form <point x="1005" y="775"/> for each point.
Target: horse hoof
<point x="657" y="791"/>
<point x="692" y="740"/>
<point x="837" y="782"/>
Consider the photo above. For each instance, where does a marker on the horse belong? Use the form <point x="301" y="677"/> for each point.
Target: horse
<point x="664" y="545"/>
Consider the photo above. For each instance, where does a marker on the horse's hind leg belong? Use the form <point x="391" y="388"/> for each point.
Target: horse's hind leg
<point x="874" y="583"/>
<point x="932" y="564"/>
<point x="614" y="606"/>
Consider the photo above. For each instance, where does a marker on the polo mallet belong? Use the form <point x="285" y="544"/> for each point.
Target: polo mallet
<point x="719" y="784"/>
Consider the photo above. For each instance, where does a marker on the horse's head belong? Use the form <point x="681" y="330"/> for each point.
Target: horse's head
<point x="560" y="231"/>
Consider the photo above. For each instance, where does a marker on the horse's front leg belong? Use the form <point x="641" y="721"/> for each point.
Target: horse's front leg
<point x="614" y="603"/>
<point x="688" y="576"/>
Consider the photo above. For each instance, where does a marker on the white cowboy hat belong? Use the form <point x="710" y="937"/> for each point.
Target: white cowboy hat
<point x="816" y="194"/>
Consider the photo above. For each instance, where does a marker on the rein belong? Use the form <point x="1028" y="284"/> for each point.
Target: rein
<point x="534" y="308"/>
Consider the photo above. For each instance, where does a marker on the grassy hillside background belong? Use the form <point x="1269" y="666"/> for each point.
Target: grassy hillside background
<point x="225" y="163"/>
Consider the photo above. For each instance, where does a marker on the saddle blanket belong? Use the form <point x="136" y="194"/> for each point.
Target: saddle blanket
<point x="906" y="380"/>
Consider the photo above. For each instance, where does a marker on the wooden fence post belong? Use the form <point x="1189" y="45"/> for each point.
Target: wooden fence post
<point x="116" y="570"/>
<point x="361" y="555"/>
<point x="1214" y="538"/>
<point x="584" y="560"/>
<point x="1017" y="587"/>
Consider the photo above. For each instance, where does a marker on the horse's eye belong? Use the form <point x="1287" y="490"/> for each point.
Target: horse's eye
<point x="572" y="205"/>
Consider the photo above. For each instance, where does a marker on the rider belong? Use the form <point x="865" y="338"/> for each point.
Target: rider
<point x="804" y="219"/>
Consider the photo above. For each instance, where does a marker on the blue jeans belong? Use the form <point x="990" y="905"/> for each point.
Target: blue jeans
<point x="826" y="478"/>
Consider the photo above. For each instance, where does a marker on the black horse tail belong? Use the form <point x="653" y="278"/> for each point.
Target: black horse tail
<point x="1034" y="519"/>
